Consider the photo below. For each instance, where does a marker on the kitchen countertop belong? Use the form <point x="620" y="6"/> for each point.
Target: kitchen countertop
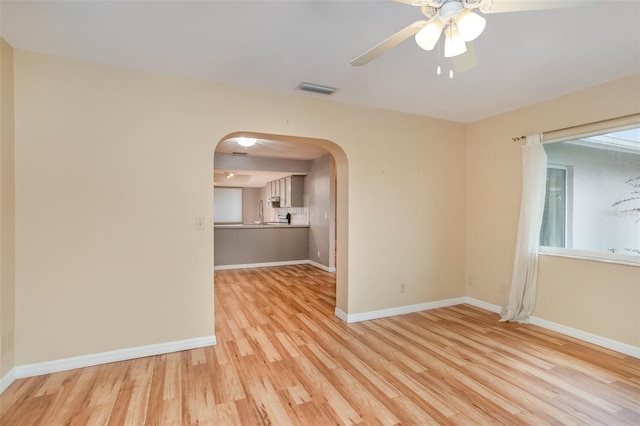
<point x="257" y="226"/>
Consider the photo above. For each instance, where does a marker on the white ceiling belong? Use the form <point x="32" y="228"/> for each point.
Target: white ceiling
<point x="523" y="58"/>
<point x="273" y="148"/>
<point x="262" y="148"/>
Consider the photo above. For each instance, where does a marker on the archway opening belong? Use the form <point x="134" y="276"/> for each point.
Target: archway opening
<point x="339" y="203"/>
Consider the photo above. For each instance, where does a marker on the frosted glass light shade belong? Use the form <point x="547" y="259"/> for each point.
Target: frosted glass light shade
<point x="246" y="142"/>
<point x="453" y="44"/>
<point x="470" y="25"/>
<point x="428" y="36"/>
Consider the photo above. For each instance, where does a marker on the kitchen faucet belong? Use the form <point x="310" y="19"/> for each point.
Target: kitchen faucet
<point x="261" y="212"/>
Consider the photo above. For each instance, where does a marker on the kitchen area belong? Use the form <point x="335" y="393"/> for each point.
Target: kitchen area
<point x="274" y="204"/>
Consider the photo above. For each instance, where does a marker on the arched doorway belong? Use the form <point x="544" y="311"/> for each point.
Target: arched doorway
<point x="340" y="163"/>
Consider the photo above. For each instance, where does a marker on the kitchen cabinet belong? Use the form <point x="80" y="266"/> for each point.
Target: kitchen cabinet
<point x="275" y="189"/>
<point x="283" y="195"/>
<point x="273" y="193"/>
<point x="289" y="190"/>
<point x="294" y="191"/>
<point x="270" y="192"/>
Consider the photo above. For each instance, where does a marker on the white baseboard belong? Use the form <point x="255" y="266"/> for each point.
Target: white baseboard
<point x="604" y="342"/>
<point x="47" y="367"/>
<point x="365" y="316"/>
<point x="268" y="264"/>
<point x="321" y="266"/>
<point x="341" y="314"/>
<point x="483" y="305"/>
<point x="7" y="379"/>
<point x="261" y="265"/>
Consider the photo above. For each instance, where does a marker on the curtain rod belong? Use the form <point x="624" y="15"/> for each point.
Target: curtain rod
<point x="517" y="138"/>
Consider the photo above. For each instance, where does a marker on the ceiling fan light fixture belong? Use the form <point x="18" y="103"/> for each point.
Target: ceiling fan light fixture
<point x="470" y="25"/>
<point x="428" y="36"/>
<point x="246" y="142"/>
<point x="453" y="44"/>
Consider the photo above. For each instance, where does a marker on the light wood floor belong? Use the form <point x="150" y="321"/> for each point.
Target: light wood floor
<point x="283" y="358"/>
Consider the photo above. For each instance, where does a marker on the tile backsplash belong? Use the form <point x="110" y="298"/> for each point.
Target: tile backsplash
<point x="299" y="215"/>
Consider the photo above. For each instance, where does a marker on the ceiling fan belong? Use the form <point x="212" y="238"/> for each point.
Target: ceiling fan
<point x="458" y="22"/>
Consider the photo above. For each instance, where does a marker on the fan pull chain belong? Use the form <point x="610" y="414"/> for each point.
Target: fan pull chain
<point x="439" y="68"/>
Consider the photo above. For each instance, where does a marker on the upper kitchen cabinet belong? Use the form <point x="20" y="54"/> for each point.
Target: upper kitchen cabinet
<point x="294" y="191"/>
<point x="283" y="193"/>
<point x="286" y="192"/>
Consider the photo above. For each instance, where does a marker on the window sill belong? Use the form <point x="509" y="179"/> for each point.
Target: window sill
<point x="617" y="259"/>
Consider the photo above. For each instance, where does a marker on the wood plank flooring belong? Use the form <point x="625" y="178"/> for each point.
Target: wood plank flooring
<point x="283" y="359"/>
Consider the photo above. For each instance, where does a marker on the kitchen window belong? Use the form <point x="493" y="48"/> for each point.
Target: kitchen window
<point x="227" y="206"/>
<point x="592" y="201"/>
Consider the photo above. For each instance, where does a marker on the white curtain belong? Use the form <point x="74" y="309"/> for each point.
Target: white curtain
<point x="525" y="266"/>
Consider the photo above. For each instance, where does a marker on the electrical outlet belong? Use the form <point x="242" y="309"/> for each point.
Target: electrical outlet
<point x="502" y="288"/>
<point x="469" y="280"/>
<point x="318" y="253"/>
<point x="199" y="223"/>
<point x="402" y="288"/>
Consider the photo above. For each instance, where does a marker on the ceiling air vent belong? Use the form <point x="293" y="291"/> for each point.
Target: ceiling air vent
<point x="241" y="154"/>
<point x="316" y="88"/>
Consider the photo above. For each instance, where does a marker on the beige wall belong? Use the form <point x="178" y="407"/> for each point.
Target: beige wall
<point x="113" y="167"/>
<point x="598" y="298"/>
<point x="7" y="205"/>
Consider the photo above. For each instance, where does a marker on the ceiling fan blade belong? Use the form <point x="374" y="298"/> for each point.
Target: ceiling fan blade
<point x="501" y="6"/>
<point x="466" y="61"/>
<point x="388" y="44"/>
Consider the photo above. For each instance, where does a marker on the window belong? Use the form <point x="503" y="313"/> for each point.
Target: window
<point x="592" y="202"/>
<point x="556" y="210"/>
<point x="227" y="206"/>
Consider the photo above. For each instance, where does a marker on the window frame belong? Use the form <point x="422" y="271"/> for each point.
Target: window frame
<point x="570" y="252"/>
<point x="595" y="256"/>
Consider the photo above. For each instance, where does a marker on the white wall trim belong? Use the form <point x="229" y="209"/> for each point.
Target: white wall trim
<point x="341" y="314"/>
<point x="267" y="264"/>
<point x="261" y="265"/>
<point x="365" y="316"/>
<point x="47" y="367"/>
<point x="321" y="266"/>
<point x="605" y="342"/>
<point x="7" y="379"/>
<point x="483" y="305"/>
